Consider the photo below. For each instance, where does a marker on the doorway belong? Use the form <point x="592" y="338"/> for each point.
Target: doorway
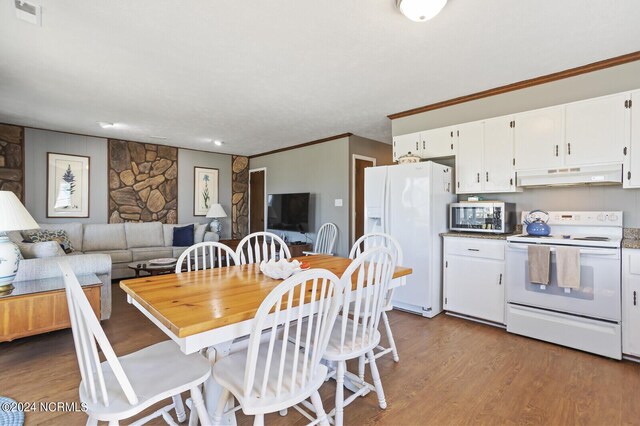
<point x="359" y="163"/>
<point x="257" y="200"/>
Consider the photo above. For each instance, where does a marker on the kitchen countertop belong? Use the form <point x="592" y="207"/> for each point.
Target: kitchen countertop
<point x="483" y="236"/>
<point x="631" y="238"/>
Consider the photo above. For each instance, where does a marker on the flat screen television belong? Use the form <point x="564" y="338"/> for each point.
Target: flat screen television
<point x="288" y="212"/>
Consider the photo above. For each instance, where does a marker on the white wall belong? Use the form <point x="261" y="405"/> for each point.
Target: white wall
<point x="322" y="170"/>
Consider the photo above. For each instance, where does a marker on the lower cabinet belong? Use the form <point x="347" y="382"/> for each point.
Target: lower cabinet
<point x="474" y="271"/>
<point x="631" y="302"/>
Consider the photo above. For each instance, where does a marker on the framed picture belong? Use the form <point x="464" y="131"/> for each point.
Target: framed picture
<point x="67" y="185"/>
<point x="205" y="188"/>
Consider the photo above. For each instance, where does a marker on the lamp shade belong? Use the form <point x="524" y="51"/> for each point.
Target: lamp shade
<point x="216" y="210"/>
<point x="421" y="10"/>
<point x="14" y="216"/>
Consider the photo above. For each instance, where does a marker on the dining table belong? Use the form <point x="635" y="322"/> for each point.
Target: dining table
<point x="213" y="309"/>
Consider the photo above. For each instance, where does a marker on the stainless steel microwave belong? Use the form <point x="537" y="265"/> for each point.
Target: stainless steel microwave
<point x="482" y="216"/>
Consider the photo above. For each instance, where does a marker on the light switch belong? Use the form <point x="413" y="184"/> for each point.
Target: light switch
<point x="338" y="202"/>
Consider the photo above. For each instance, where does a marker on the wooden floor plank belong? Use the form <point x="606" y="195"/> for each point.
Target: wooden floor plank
<point x="451" y="372"/>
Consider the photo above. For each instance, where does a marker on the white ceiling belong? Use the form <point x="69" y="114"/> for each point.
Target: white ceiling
<point x="262" y="75"/>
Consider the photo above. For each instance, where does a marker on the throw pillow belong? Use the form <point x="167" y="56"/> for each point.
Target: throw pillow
<point x="40" y="250"/>
<point x="200" y="229"/>
<point x="57" y="235"/>
<point x="183" y="237"/>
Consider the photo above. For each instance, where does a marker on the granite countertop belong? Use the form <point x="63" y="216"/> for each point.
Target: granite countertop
<point x="631" y="238"/>
<point x="482" y="235"/>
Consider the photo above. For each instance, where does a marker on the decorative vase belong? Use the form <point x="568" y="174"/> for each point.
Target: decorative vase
<point x="9" y="260"/>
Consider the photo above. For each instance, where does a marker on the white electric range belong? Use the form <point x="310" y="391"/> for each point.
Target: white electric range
<point x="587" y="318"/>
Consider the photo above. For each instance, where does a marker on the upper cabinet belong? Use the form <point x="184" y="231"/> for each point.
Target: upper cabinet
<point x="631" y="178"/>
<point x="406" y="144"/>
<point x="595" y="131"/>
<point x="484" y="159"/>
<point x="539" y="138"/>
<point x="438" y="142"/>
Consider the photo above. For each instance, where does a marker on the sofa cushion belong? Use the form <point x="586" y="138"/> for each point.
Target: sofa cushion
<point x="148" y="253"/>
<point x="74" y="231"/>
<point x="198" y="232"/>
<point x="104" y="237"/>
<point x="147" y="234"/>
<point x="183" y="236"/>
<point x="40" y="250"/>
<point x="177" y="251"/>
<point x="58" y="235"/>
<point x="117" y="256"/>
<point x="199" y="229"/>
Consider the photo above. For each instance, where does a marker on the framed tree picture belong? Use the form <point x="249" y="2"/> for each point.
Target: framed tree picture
<point x="67" y="185"/>
<point x="205" y="187"/>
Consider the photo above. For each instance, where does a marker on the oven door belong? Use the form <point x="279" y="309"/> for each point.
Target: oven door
<point x="600" y="282"/>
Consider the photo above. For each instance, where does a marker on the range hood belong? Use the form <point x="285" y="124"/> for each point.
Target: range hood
<point x="608" y="174"/>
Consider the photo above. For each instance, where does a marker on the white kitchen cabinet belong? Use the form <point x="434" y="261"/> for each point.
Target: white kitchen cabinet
<point x="631" y="178"/>
<point x="406" y="144"/>
<point x="474" y="272"/>
<point x="499" y="174"/>
<point x="631" y="302"/>
<point x="469" y="158"/>
<point x="595" y="130"/>
<point x="539" y="139"/>
<point x="439" y="142"/>
<point x="484" y="159"/>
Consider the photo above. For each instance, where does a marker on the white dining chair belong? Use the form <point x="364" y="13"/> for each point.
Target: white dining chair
<point x="260" y="246"/>
<point x="284" y="370"/>
<point x="355" y="333"/>
<point x="377" y="239"/>
<point x="122" y="387"/>
<point x="325" y="240"/>
<point x="207" y="255"/>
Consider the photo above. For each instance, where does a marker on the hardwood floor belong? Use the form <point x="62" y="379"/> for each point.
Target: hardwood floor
<point x="451" y="372"/>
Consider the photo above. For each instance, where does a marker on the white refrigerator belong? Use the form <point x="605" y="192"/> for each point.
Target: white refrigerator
<point x="410" y="202"/>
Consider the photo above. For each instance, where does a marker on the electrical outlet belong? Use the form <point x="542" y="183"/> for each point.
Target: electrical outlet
<point x="338" y="202"/>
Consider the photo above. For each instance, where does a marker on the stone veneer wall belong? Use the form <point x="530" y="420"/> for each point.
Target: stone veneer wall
<point x="12" y="159"/>
<point x="143" y="184"/>
<point x="240" y="196"/>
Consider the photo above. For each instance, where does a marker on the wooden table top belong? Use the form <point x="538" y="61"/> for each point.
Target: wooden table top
<point x="198" y="301"/>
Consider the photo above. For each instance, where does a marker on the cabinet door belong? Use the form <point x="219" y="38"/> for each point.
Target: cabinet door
<point x="631" y="178"/>
<point x="475" y="287"/>
<point x="595" y="130"/>
<point x="539" y="139"/>
<point x="469" y="158"/>
<point x="631" y="302"/>
<point x="406" y="144"/>
<point x="499" y="175"/>
<point x="438" y="142"/>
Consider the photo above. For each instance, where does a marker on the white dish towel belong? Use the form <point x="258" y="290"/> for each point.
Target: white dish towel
<point x="568" y="264"/>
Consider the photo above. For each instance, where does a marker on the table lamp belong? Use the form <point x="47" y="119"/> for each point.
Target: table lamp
<point x="216" y="211"/>
<point x="14" y="217"/>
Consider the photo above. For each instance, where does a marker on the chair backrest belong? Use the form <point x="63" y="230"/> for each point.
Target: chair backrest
<point x="326" y="239"/>
<point x="260" y="246"/>
<point x="288" y="366"/>
<point x="86" y="331"/>
<point x="368" y="278"/>
<point x="207" y="255"/>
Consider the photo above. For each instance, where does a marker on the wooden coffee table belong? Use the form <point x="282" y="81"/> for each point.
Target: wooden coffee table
<point x="151" y="269"/>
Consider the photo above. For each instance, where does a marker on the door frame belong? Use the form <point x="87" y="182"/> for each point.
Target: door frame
<point x="355" y="157"/>
<point x="259" y="169"/>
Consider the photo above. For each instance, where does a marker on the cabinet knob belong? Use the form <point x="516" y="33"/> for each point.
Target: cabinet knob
<point x="478" y="177"/>
<point x="569" y="148"/>
<point x="634" y="298"/>
<point x="487" y="176"/>
<point x="417" y="146"/>
<point x="556" y="150"/>
<point x="424" y="144"/>
<point x="500" y="282"/>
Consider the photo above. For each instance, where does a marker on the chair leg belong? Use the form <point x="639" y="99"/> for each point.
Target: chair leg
<point x="339" y="394"/>
<point x="317" y="405"/>
<point x="361" y="368"/>
<point x="92" y="421"/>
<point x="222" y="402"/>
<point x="392" y="343"/>
<point x="283" y="412"/>
<point x="376" y="380"/>
<point x="258" y="420"/>
<point x="198" y="402"/>
<point x="179" y="407"/>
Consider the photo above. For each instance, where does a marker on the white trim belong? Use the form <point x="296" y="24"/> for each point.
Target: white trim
<point x="259" y="169"/>
<point x="355" y="157"/>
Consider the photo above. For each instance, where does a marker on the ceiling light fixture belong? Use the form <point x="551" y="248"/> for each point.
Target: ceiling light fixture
<point x="420" y="10"/>
<point x="218" y="143"/>
<point x="105" y="124"/>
